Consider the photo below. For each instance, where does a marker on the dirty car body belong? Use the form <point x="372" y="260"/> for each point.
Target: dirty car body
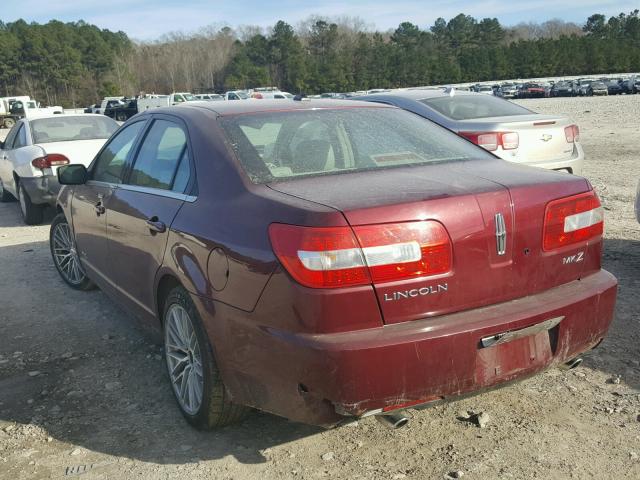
<point x="349" y="259"/>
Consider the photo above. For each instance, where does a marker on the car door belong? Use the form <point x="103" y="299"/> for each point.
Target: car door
<point x="143" y="208"/>
<point x="6" y="165"/>
<point x="89" y="206"/>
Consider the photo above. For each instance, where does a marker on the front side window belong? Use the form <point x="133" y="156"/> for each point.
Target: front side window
<point x="274" y="146"/>
<point x="21" y="138"/>
<point x="110" y="164"/>
<point x="163" y="160"/>
<point x="11" y="136"/>
<point x="463" y="107"/>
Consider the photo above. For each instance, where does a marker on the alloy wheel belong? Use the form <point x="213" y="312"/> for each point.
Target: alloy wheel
<point x="65" y="254"/>
<point x="184" y="360"/>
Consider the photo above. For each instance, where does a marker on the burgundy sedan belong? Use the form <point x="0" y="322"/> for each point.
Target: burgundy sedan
<point x="326" y="261"/>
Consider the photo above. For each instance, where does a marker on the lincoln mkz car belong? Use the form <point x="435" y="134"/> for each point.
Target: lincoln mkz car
<point x="325" y="260"/>
<point x="506" y="129"/>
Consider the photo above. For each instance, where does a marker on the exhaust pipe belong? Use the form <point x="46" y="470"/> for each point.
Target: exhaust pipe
<point x="571" y="364"/>
<point x="393" y="420"/>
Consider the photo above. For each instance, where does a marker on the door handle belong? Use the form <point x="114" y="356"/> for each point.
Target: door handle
<point x="155" y="225"/>
<point x="100" y="209"/>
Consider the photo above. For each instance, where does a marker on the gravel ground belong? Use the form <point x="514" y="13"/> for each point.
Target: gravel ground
<point x="83" y="388"/>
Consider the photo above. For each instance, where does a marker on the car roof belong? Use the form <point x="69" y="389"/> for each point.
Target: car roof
<point x="64" y="115"/>
<point x="239" y="107"/>
<point x="419" y="94"/>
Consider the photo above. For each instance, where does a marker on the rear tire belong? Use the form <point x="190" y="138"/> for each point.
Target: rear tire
<point x="32" y="214"/>
<point x="5" y="196"/>
<point x="121" y="117"/>
<point x="9" y="122"/>
<point x="63" y="252"/>
<point x="204" y="403"/>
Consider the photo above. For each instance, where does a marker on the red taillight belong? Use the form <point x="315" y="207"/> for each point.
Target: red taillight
<point x="329" y="257"/>
<point x="572" y="220"/>
<point x="572" y="133"/>
<point x="492" y="140"/>
<point x="50" y="160"/>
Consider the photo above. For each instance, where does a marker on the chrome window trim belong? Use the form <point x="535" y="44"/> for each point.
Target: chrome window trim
<point x="157" y="191"/>
<point x="149" y="191"/>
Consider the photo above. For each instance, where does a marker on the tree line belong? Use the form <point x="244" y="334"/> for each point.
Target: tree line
<point x="76" y="63"/>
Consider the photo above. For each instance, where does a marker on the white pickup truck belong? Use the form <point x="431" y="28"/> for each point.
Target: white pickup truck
<point x="157" y="101"/>
<point x="13" y="109"/>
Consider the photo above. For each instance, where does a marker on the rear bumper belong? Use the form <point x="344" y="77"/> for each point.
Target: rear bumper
<point x="320" y="378"/>
<point x="572" y="164"/>
<point x="42" y="190"/>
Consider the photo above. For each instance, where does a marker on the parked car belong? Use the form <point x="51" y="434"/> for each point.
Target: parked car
<point x="272" y="95"/>
<point x="159" y="101"/>
<point x="532" y="90"/>
<point x="613" y="88"/>
<point x="485" y="89"/>
<point x="35" y="148"/>
<point x="237" y="95"/>
<point x="509" y="90"/>
<point x="122" y="111"/>
<point x="584" y="90"/>
<point x="95" y="108"/>
<point x="509" y="131"/>
<point x="333" y="259"/>
<point x="109" y="102"/>
<point x="210" y="97"/>
<point x="630" y="85"/>
<point x="598" y="88"/>
<point x="562" y="89"/>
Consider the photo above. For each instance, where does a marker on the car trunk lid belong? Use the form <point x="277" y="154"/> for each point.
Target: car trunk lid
<point x="466" y="203"/>
<point x="541" y="137"/>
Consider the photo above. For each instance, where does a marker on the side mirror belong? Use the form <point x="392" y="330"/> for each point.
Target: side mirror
<point x="72" y="175"/>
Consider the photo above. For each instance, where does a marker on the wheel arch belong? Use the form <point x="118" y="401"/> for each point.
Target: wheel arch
<point x="165" y="283"/>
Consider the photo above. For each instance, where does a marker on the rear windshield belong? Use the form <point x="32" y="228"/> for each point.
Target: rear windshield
<point x="463" y="107"/>
<point x="275" y="146"/>
<point x="64" y="129"/>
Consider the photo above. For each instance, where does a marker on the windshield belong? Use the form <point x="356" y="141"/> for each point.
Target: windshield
<point x="275" y="146"/>
<point x="189" y="97"/>
<point x="65" y="128"/>
<point x="242" y="95"/>
<point x="463" y="107"/>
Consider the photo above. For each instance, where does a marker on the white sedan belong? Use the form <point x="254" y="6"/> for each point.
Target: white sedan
<point x="35" y="148"/>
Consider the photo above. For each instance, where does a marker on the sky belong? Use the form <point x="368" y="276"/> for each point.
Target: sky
<point x="148" y="20"/>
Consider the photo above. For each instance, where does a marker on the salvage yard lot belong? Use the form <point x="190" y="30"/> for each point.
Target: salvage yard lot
<point x="83" y="389"/>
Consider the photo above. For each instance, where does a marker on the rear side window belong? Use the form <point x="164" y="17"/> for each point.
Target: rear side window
<point x="275" y="146"/>
<point x="163" y="160"/>
<point x="463" y="107"/>
<point x="109" y="166"/>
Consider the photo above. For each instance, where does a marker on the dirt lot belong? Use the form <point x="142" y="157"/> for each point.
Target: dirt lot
<point x="83" y="389"/>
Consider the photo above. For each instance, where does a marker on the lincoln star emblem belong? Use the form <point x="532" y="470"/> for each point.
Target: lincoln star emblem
<point x="546" y="137"/>
<point x="501" y="234"/>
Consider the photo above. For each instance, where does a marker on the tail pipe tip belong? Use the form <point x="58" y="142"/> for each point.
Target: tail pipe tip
<point x="393" y="420"/>
<point x="571" y="364"/>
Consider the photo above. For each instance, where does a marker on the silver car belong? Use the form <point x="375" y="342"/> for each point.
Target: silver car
<point x="506" y="129"/>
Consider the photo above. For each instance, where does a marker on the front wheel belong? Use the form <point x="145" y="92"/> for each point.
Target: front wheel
<point x="121" y="117"/>
<point x="32" y="213"/>
<point x="193" y="373"/>
<point x="9" y="122"/>
<point x="65" y="256"/>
